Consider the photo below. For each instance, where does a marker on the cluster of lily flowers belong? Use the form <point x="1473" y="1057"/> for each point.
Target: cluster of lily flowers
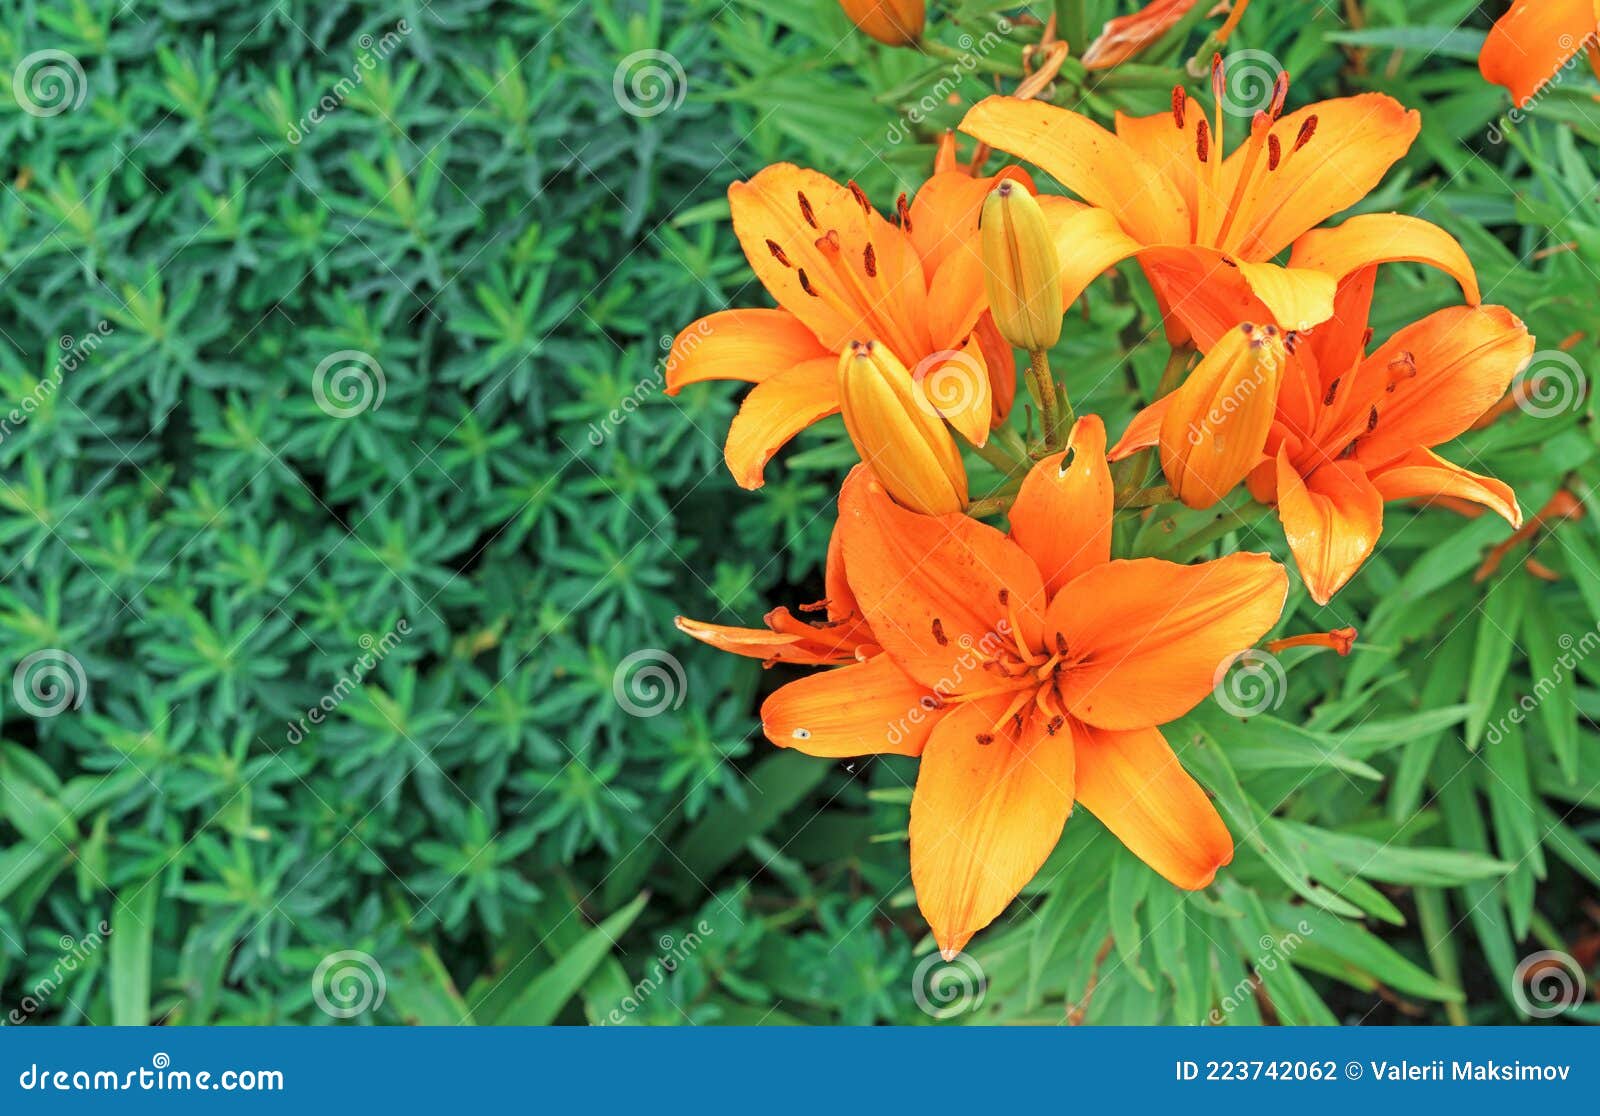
<point x="1027" y="666"/>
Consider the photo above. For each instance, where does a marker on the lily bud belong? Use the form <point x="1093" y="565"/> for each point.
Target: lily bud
<point x="901" y="436"/>
<point x="892" y="22"/>
<point x="1217" y="423"/>
<point x="1021" y="270"/>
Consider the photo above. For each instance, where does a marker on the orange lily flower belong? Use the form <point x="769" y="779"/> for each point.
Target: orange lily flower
<point x="842" y="273"/>
<point x="1206" y="228"/>
<point x="1533" y="42"/>
<point x="1028" y="671"/>
<point x="892" y="22"/>
<point x="1352" y="430"/>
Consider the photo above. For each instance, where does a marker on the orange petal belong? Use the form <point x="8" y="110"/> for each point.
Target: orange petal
<point x="1099" y="167"/>
<point x="1148" y="636"/>
<point x="1298" y="298"/>
<point x="786" y="638"/>
<point x="749" y="345"/>
<point x="1144" y="431"/>
<point x="775" y="411"/>
<point x="890" y="306"/>
<point x="1203" y="292"/>
<point x="1533" y="41"/>
<point x="1423" y="473"/>
<point x="945" y="211"/>
<point x="1001" y="364"/>
<point x="1062" y="516"/>
<point x="1354" y="143"/>
<point x="1125" y="36"/>
<point x="941" y="592"/>
<point x="1332" y="522"/>
<point x="1465" y="359"/>
<point x="1088" y="242"/>
<point x="1170" y="150"/>
<point x="984" y="816"/>
<point x="1135" y="785"/>
<point x="1378" y="238"/>
<point x="858" y="710"/>
<point x="1341" y="341"/>
<point x="956" y="384"/>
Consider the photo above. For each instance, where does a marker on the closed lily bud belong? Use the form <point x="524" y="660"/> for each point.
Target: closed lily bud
<point x="900" y="435"/>
<point x="1217" y="422"/>
<point x="891" y="22"/>
<point x="1021" y="270"/>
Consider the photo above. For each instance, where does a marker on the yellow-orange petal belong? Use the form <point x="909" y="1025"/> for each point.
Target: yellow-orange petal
<point x="1143" y="432"/>
<point x="1200" y="292"/>
<point x="748" y="345"/>
<point x="1088" y="241"/>
<point x="944" y="214"/>
<point x="1331" y="521"/>
<point x="1379" y="238"/>
<point x="1145" y="637"/>
<point x="957" y="384"/>
<point x="1093" y="163"/>
<point x="1062" y="516"/>
<point x="863" y="709"/>
<point x="1424" y="474"/>
<point x="985" y="816"/>
<point x="1132" y="781"/>
<point x="941" y="592"/>
<point x="896" y="23"/>
<point x="774" y="411"/>
<point x="785" y="639"/>
<point x="1531" y="43"/>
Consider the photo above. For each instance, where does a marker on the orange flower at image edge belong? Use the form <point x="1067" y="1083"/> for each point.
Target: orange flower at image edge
<point x="1531" y="44"/>
<point x="1028" y="671"/>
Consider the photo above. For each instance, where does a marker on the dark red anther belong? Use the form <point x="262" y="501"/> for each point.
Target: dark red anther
<point x="805" y="284"/>
<point x="1217" y="81"/>
<point x="777" y="253"/>
<point x="861" y="197"/>
<point x="1274" y="153"/>
<point x="1180" y="102"/>
<point x="1333" y="389"/>
<point x="1372" y="420"/>
<point x="985" y="738"/>
<point x="1307" y="130"/>
<point x="902" y="209"/>
<point x="1280" y="93"/>
<point x="938" y="633"/>
<point x="1202" y="140"/>
<point x="869" y="259"/>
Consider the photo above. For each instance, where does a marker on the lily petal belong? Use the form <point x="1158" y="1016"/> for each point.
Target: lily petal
<point x="1531" y="43"/>
<point x="866" y="708"/>
<point x="1424" y="474"/>
<point x="1379" y="238"/>
<point x="1135" y="785"/>
<point x="1149" y="636"/>
<point x="1062" y="516"/>
<point x="748" y="345"/>
<point x="776" y="410"/>
<point x="1144" y="431"/>
<point x="1332" y="522"/>
<point x="984" y="816"/>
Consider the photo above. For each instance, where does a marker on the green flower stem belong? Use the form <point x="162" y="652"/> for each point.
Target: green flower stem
<point x="1043" y="389"/>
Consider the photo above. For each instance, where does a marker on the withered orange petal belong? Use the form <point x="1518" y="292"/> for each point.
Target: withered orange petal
<point x="1424" y="474"/>
<point x="1379" y="238"/>
<point x="1145" y="638"/>
<point x="1062" y="516"/>
<point x="1332" y="522"/>
<point x="984" y="816"/>
<point x="749" y="345"/>
<point x="1531" y="43"/>
<point x="774" y="411"/>
<point x="941" y="592"/>
<point x="1132" y="781"/>
<point x="1125" y="36"/>
<point x="866" y="708"/>
<point x="1144" y="431"/>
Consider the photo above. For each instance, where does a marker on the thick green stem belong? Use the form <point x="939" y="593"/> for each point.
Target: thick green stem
<point x="1003" y="456"/>
<point x="1043" y="389"/>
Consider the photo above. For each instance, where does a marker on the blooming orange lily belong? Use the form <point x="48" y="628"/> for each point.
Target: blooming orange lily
<point x="1205" y="227"/>
<point x="1534" y="41"/>
<point x="1028" y="671"/>
<point x="841" y="273"/>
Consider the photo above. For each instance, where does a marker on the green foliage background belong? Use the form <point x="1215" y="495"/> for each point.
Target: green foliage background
<point x="478" y="813"/>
